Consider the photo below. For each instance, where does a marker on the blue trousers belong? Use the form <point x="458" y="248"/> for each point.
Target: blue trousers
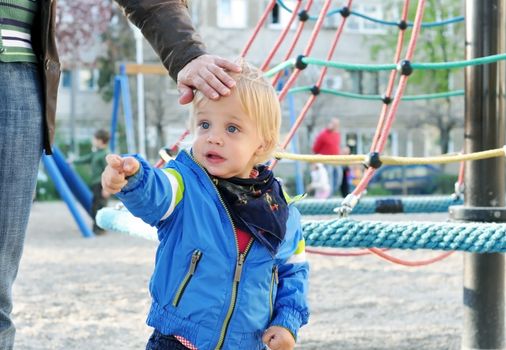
<point x="335" y="177"/>
<point x="159" y="341"/>
<point x="21" y="121"/>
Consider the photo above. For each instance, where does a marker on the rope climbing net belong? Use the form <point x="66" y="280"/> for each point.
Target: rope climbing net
<point x="345" y="232"/>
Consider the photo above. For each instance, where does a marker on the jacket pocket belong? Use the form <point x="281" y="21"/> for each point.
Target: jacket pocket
<point x="273" y="287"/>
<point x="197" y="254"/>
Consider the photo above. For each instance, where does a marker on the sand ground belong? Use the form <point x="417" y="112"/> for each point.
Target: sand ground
<point x="77" y="293"/>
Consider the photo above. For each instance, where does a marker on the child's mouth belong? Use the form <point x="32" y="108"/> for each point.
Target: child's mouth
<point x="214" y="157"/>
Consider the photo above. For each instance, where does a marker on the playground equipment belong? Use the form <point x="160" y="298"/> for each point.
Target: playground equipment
<point x="122" y="94"/>
<point x="484" y="200"/>
<point x="70" y="186"/>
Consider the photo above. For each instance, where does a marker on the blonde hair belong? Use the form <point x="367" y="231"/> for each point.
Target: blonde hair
<point x="260" y="102"/>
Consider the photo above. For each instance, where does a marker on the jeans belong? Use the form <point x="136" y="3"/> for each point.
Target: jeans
<point x="97" y="203"/>
<point x="335" y="178"/>
<point x="20" y="150"/>
<point x="159" y="341"/>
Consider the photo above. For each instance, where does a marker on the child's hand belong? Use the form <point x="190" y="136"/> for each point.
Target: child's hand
<point x="278" y="338"/>
<point x="118" y="168"/>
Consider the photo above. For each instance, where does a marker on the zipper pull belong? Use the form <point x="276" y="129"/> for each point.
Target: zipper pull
<point x="195" y="259"/>
<point x="276" y="275"/>
<point x="238" y="268"/>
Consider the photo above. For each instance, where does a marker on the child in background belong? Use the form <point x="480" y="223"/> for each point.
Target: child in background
<point x="230" y="269"/>
<point x="96" y="159"/>
<point x="319" y="181"/>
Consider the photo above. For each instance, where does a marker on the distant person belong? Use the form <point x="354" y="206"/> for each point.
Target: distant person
<point x="328" y="142"/>
<point x="96" y="160"/>
<point x="230" y="270"/>
<point x="319" y="181"/>
<point x="29" y="76"/>
<point x="345" y="183"/>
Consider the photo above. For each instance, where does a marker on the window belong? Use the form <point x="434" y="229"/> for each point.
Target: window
<point x="362" y="25"/>
<point x="232" y="13"/>
<point x="280" y="16"/>
<point x="88" y="79"/>
<point x="333" y="18"/>
<point x="66" y="79"/>
<point x="366" y="83"/>
<point x="333" y="82"/>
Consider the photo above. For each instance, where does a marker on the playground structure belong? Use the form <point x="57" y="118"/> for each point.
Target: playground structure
<point x="71" y="188"/>
<point x="483" y="200"/>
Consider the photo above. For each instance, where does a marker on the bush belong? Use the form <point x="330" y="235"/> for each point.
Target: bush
<point x="446" y="183"/>
<point x="46" y="189"/>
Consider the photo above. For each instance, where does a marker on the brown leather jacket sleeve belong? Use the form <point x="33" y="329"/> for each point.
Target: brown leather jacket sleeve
<point x="166" y="24"/>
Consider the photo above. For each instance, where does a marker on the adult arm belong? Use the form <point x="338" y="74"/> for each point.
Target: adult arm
<point x="167" y="26"/>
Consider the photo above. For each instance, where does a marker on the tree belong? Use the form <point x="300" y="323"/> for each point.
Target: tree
<point x="119" y="45"/>
<point x="79" y="25"/>
<point x="437" y="44"/>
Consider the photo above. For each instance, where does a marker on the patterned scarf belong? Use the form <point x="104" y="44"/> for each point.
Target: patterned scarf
<point x="257" y="206"/>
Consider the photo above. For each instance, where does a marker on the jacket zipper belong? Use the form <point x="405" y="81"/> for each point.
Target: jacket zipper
<point x="241" y="257"/>
<point x="197" y="254"/>
<point x="274" y="280"/>
<point x="237" y="277"/>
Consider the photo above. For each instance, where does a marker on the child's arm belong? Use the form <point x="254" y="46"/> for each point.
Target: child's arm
<point x="84" y="159"/>
<point x="148" y="193"/>
<point x="291" y="309"/>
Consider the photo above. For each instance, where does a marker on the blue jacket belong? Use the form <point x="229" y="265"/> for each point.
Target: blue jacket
<point x="202" y="288"/>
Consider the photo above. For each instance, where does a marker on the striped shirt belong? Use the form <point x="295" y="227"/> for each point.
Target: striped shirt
<point x="16" y="20"/>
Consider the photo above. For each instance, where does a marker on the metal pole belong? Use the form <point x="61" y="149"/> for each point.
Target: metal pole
<point x="141" y="123"/>
<point x="484" y="129"/>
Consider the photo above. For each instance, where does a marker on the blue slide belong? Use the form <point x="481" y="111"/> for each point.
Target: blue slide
<point x="78" y="187"/>
<point x="66" y="193"/>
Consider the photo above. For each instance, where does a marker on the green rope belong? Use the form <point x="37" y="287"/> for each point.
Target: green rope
<point x="381" y="67"/>
<point x="379" y="97"/>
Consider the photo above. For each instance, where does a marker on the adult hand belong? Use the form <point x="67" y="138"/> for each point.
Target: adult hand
<point x="207" y="74"/>
<point x="116" y="171"/>
<point x="278" y="338"/>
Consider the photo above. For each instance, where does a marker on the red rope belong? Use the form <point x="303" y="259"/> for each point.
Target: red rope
<point x="312" y="98"/>
<point x="403" y="262"/>
<point x="380" y="145"/>
<point x="323" y="72"/>
<point x="335" y="253"/>
<point x="281" y="37"/>
<point x="381" y="254"/>
<point x="404" y="78"/>
<point x="162" y="162"/>
<point x="308" y="49"/>
<point x="391" y="80"/>
<point x="295" y="40"/>
<point x="259" y="25"/>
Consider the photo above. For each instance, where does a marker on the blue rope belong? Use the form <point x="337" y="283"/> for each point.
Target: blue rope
<point x="380" y="21"/>
<point x="347" y="233"/>
<point x="370" y="205"/>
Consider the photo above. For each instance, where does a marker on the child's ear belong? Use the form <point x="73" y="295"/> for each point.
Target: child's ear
<point x="260" y="150"/>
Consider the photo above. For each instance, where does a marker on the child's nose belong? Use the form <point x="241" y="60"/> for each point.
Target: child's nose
<point x="215" y="139"/>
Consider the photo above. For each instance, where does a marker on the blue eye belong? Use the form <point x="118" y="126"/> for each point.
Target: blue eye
<point x="232" y="129"/>
<point x="204" y="125"/>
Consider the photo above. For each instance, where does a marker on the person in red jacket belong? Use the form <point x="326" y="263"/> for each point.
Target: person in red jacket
<point x="328" y="142"/>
